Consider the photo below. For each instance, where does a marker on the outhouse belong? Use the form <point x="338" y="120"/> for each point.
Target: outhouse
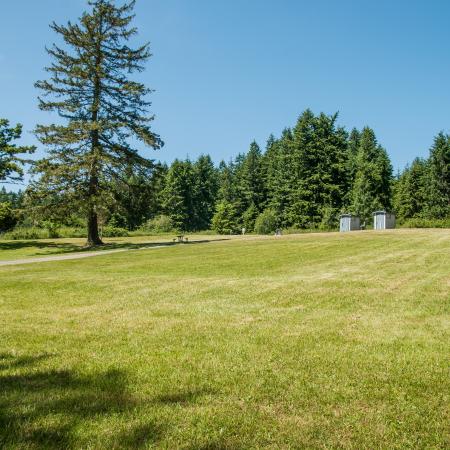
<point x="383" y="220"/>
<point x="349" y="222"/>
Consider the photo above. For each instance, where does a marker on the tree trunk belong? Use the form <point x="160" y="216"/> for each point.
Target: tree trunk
<point x="93" y="236"/>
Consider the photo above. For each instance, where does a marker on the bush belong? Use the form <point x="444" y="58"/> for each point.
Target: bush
<point x="114" y="232"/>
<point x="52" y="229"/>
<point x="426" y="223"/>
<point x="20" y="233"/>
<point x="266" y="222"/>
<point x="159" y="224"/>
<point x="330" y="219"/>
<point x="23" y="233"/>
<point x="7" y="217"/>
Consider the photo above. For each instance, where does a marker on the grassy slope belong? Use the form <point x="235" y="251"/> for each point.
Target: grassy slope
<point x="317" y="341"/>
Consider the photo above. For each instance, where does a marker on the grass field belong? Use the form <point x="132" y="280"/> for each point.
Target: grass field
<point x="313" y="341"/>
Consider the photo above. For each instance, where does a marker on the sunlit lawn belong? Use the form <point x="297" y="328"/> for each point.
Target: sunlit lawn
<point x="37" y="248"/>
<point x="313" y="341"/>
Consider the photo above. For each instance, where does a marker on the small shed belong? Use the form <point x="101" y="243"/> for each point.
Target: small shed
<point x="383" y="220"/>
<point x="349" y="222"/>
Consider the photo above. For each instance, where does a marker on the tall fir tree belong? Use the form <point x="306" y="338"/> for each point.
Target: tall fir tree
<point x="438" y="195"/>
<point x="103" y="111"/>
<point x="251" y="186"/>
<point x="319" y="162"/>
<point x="373" y="177"/>
<point x="280" y="175"/>
<point x="409" y="196"/>
<point x="205" y="186"/>
<point x="178" y="201"/>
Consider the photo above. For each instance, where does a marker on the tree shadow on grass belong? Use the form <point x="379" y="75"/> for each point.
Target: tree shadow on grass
<point x="63" y="248"/>
<point x="43" y="408"/>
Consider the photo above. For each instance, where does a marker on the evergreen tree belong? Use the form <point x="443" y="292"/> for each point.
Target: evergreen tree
<point x="11" y="165"/>
<point x="410" y="191"/>
<point x="15" y="199"/>
<point x="227" y="188"/>
<point x="280" y="175"/>
<point x="352" y="153"/>
<point x="438" y="201"/>
<point x="253" y="189"/>
<point x="103" y="110"/>
<point x="138" y="196"/>
<point x="224" y="219"/>
<point x="178" y="201"/>
<point x="373" y="178"/>
<point x="205" y="188"/>
<point x="319" y="160"/>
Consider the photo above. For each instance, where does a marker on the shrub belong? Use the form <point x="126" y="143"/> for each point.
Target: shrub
<point x="266" y="222"/>
<point x="23" y="233"/>
<point x="114" y="232"/>
<point x="330" y="219"/>
<point x="426" y="223"/>
<point x="159" y="224"/>
<point x="52" y="228"/>
<point x="20" y="233"/>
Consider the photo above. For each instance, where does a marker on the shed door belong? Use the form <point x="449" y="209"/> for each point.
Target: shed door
<point x="379" y="218"/>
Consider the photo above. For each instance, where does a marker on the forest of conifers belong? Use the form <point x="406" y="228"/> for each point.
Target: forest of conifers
<point x="302" y="179"/>
<point x="93" y="176"/>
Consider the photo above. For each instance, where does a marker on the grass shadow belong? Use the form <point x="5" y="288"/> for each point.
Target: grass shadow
<point x="47" y="408"/>
<point x="64" y="248"/>
<point x="44" y="408"/>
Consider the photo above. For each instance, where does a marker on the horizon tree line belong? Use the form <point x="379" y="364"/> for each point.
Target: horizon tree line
<point x="93" y="173"/>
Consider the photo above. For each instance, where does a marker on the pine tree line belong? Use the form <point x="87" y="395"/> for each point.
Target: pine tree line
<point x="305" y="178"/>
<point x="94" y="175"/>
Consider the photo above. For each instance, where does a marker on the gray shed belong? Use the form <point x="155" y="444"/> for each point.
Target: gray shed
<point x="348" y="222"/>
<point x="383" y="220"/>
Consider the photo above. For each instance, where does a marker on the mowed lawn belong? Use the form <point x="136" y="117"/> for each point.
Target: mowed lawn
<point x="312" y="341"/>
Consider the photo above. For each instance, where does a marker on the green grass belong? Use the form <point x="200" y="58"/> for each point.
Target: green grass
<point x="313" y="341"/>
<point x="21" y="249"/>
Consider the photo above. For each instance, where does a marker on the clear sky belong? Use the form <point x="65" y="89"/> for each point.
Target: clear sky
<point x="230" y="71"/>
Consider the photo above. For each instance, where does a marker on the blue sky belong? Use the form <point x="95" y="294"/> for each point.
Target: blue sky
<point x="227" y="72"/>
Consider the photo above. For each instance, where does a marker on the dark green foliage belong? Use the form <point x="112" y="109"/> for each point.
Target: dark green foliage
<point x="306" y="170"/>
<point x="178" y="195"/>
<point x="225" y="218"/>
<point x="137" y="196"/>
<point x="190" y="193"/>
<point x="7" y="217"/>
<point x="251" y="186"/>
<point x="11" y="164"/>
<point x="15" y="199"/>
<point x="410" y="194"/>
<point x="438" y="194"/>
<point x="266" y="222"/>
<point x="103" y="113"/>
<point x="280" y="177"/>
<point x="373" y="177"/>
<point x="205" y="187"/>
<point x="249" y="218"/>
